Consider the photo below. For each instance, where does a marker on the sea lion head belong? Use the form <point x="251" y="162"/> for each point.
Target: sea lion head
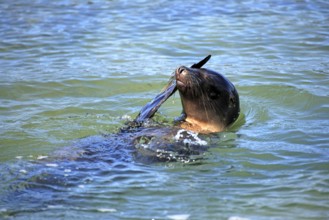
<point x="210" y="101"/>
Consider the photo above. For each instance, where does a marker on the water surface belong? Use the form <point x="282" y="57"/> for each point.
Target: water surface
<point x="75" y="69"/>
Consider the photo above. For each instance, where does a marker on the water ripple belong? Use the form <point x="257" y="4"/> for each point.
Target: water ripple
<point x="74" y="69"/>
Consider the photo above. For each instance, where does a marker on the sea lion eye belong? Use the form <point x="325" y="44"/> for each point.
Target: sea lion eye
<point x="214" y="95"/>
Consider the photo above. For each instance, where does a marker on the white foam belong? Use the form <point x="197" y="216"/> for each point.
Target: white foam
<point x="191" y="139"/>
<point x="106" y="210"/>
<point x="41" y="157"/>
<point x="23" y="171"/>
<point x="179" y="217"/>
<point x="237" y="218"/>
<point x="52" y="165"/>
<point x="126" y="117"/>
<point x="55" y="206"/>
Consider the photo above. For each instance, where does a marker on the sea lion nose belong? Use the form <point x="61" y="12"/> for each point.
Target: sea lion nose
<point x="180" y="70"/>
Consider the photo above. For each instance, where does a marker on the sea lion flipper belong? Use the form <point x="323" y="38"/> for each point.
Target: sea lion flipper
<point x="152" y="107"/>
<point x="201" y="63"/>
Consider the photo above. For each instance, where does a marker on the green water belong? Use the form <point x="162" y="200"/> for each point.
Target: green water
<point x="74" y="69"/>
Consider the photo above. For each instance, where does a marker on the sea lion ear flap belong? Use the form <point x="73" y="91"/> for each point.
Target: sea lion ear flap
<point x="201" y="63"/>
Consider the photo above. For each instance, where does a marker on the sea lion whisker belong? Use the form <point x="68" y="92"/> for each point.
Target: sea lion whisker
<point x="205" y="108"/>
<point x="197" y="87"/>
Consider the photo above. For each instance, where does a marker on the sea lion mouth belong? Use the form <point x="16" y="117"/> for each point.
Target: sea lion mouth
<point x="180" y="83"/>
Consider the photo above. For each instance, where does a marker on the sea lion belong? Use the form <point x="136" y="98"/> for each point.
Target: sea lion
<point x="210" y="101"/>
<point x="210" y="104"/>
